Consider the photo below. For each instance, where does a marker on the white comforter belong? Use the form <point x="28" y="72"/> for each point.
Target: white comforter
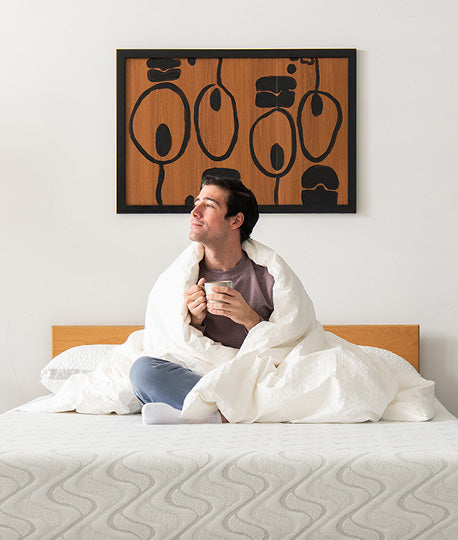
<point x="288" y="368"/>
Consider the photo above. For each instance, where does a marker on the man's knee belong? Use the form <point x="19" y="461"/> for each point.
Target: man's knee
<point x="139" y="369"/>
<point x="154" y="379"/>
<point x="145" y="377"/>
<point x="143" y="367"/>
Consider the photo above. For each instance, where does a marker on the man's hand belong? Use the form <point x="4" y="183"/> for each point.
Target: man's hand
<point x="230" y="303"/>
<point x="196" y="302"/>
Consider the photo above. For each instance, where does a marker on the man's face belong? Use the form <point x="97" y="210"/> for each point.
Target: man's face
<point x="208" y="222"/>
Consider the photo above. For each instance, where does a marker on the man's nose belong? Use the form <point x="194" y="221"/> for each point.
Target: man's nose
<point x="196" y="210"/>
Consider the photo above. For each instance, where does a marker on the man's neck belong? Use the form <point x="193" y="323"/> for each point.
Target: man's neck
<point x="217" y="259"/>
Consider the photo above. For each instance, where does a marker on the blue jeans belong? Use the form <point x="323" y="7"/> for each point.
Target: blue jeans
<point x="155" y="380"/>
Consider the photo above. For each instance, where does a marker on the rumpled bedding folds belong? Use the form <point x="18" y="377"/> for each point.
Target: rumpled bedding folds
<point x="288" y="368"/>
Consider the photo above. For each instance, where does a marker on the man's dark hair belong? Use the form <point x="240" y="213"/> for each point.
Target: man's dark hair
<point x="238" y="199"/>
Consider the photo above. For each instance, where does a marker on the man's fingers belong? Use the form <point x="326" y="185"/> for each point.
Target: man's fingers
<point x="213" y="307"/>
<point x="199" y="308"/>
<point x="194" y="294"/>
<point x="218" y="298"/>
<point x="226" y="290"/>
<point x="197" y="303"/>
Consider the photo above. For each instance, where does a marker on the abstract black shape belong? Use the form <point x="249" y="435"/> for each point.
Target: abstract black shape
<point x="291" y="68"/>
<point x="320" y="174"/>
<point x="215" y="99"/>
<point x="335" y="131"/>
<point x="319" y="197"/>
<point x="163" y="63"/>
<point x="223" y="171"/>
<point x="159" y="76"/>
<point x="317" y="104"/>
<point x="266" y="100"/>
<point x="160" y="183"/>
<point x="189" y="201"/>
<point x="277" y="156"/>
<point x="191" y="61"/>
<point x="275" y="91"/>
<point x="275" y="84"/>
<point x="163" y="69"/>
<point x="163" y="140"/>
<point x="186" y="121"/>
<point x="222" y="91"/>
<point x="316" y="107"/>
<point x="161" y="145"/>
<point x="258" y="164"/>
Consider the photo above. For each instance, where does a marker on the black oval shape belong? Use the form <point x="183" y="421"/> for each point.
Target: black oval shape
<point x="189" y="201"/>
<point x="163" y="140"/>
<point x="277" y="156"/>
<point x="222" y="171"/>
<point x="186" y="120"/>
<point x="256" y="159"/>
<point x="317" y="105"/>
<point x="275" y="83"/>
<point x="335" y="131"/>
<point x="215" y="99"/>
<point x="157" y="76"/>
<point x="320" y="174"/>
<point x="233" y="105"/>
<point x="163" y="63"/>
<point x="319" y="197"/>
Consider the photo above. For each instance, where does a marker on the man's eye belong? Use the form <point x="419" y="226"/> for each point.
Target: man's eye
<point x="206" y="204"/>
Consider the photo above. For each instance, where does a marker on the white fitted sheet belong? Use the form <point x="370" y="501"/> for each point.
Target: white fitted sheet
<point x="73" y="476"/>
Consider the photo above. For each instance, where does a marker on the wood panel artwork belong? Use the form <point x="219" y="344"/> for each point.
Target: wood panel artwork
<point x="284" y="121"/>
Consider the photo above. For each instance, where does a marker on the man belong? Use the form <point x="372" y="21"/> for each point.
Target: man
<point x="224" y="215"/>
<point x="231" y="353"/>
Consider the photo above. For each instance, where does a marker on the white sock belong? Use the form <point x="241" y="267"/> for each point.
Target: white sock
<point x="161" y="413"/>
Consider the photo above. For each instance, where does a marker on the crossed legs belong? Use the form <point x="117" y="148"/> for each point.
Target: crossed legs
<point x="161" y="386"/>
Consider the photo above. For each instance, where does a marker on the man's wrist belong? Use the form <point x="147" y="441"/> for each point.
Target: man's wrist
<point x="254" y="321"/>
<point x="197" y="322"/>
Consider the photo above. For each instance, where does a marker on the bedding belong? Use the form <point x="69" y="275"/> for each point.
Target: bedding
<point x="74" y="476"/>
<point x="288" y="368"/>
<point x="80" y="359"/>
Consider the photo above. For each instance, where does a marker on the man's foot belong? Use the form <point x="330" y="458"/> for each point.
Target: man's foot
<point x="161" y="413"/>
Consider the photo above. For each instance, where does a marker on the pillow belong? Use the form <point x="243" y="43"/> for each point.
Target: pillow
<point x="414" y="401"/>
<point x="392" y="360"/>
<point x="81" y="359"/>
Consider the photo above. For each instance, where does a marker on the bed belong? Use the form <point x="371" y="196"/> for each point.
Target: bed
<point x="75" y="476"/>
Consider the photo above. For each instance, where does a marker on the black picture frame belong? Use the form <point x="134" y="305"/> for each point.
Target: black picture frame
<point x="322" y="206"/>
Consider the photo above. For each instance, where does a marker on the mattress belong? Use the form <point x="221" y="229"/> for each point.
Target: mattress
<point x="74" y="476"/>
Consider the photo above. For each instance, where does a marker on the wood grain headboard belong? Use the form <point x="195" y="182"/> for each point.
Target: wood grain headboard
<point x="402" y="339"/>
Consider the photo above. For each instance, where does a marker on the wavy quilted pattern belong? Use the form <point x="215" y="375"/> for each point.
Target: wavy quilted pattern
<point x="69" y="476"/>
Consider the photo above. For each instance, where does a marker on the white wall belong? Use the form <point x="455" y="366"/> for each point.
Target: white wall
<point x="67" y="258"/>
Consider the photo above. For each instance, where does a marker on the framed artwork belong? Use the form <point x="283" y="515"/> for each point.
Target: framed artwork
<point x="282" y="120"/>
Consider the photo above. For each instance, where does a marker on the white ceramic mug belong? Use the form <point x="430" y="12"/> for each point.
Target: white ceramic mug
<point x="209" y="286"/>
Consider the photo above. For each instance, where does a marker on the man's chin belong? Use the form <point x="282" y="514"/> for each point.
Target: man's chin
<point x="194" y="237"/>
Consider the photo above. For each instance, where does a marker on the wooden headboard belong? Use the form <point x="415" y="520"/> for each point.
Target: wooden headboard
<point x="402" y="339"/>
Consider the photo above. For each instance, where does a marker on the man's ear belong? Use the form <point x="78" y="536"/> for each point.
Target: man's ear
<point x="237" y="221"/>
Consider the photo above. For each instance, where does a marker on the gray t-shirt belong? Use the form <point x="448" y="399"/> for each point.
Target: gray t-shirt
<point x="254" y="283"/>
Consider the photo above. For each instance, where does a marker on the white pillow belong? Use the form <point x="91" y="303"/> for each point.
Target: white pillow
<point x="392" y="360"/>
<point x="81" y="359"/>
